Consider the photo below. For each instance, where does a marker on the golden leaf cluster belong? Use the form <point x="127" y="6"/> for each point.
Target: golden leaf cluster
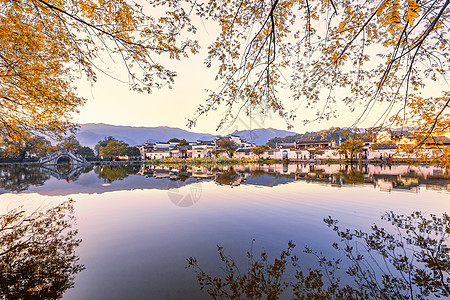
<point x="329" y="54"/>
<point x="46" y="44"/>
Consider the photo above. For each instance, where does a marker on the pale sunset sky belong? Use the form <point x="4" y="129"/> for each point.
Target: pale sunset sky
<point x="110" y="101"/>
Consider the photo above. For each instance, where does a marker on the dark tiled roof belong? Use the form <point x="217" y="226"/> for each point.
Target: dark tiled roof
<point x="401" y="133"/>
<point x="385" y="146"/>
<point x="439" y="140"/>
<point x="244" y="150"/>
<point x="286" y="144"/>
<point x="313" y="142"/>
<point x="210" y="143"/>
<point x="161" y="150"/>
<point x="185" y="147"/>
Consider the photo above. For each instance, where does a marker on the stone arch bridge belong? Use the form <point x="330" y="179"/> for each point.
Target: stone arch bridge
<point x="52" y="159"/>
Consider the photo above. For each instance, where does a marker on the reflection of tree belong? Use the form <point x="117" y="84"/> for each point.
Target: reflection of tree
<point x="258" y="173"/>
<point x="21" y="178"/>
<point x="63" y="167"/>
<point x="37" y="258"/>
<point x="416" y="257"/>
<point x="262" y="278"/>
<point x="81" y="170"/>
<point x="352" y="175"/>
<point x="183" y="176"/>
<point x="113" y="173"/>
<point x="413" y="263"/>
<point x="227" y="178"/>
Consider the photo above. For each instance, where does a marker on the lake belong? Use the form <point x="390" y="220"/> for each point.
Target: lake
<point x="137" y="225"/>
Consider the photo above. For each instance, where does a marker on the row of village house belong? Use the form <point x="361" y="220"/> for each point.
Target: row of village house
<point x="301" y="150"/>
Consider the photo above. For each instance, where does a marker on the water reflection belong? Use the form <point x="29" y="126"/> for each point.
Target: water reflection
<point x="229" y="177"/>
<point x="19" y="179"/>
<point x="383" y="177"/>
<point x="409" y="258"/>
<point x="37" y="258"/>
<point x="66" y="172"/>
<point x="112" y="173"/>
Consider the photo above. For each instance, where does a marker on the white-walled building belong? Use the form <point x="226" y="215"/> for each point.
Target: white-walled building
<point x="203" y="149"/>
<point x="160" y="153"/>
<point x="181" y="151"/>
<point x="244" y="153"/>
<point x="241" y="143"/>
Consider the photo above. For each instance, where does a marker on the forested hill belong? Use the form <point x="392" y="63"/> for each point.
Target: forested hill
<point x="327" y="134"/>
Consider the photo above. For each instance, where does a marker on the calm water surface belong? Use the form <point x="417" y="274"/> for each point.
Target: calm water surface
<point x="139" y="223"/>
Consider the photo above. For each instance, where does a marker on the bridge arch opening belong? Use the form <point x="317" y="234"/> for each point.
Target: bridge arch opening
<point x="64" y="160"/>
<point x="63" y="164"/>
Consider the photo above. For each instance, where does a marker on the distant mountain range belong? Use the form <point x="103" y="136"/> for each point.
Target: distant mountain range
<point x="89" y="134"/>
<point x="263" y="135"/>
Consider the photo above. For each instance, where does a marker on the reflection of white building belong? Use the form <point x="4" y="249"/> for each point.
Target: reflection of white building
<point x="201" y="172"/>
<point x="385" y="185"/>
<point x="423" y="171"/>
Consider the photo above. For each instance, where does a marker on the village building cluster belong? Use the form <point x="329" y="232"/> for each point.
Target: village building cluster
<point x="386" y="144"/>
<point x="199" y="149"/>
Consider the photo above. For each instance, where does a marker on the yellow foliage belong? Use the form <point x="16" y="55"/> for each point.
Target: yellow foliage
<point x="45" y="44"/>
<point x="413" y="11"/>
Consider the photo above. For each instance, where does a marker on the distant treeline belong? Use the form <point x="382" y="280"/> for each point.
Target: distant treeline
<point x="327" y="134"/>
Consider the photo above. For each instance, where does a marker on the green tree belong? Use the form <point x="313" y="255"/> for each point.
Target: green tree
<point x="174" y="140"/>
<point x="334" y="133"/>
<point x="74" y="145"/>
<point x="227" y="145"/>
<point x="103" y="143"/>
<point x="114" y="148"/>
<point x="183" y="142"/>
<point x="351" y="147"/>
<point x="259" y="150"/>
<point x="85" y="151"/>
<point x="132" y="151"/>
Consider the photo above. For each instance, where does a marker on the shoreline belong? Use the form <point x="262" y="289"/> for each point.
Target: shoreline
<point x="239" y="161"/>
